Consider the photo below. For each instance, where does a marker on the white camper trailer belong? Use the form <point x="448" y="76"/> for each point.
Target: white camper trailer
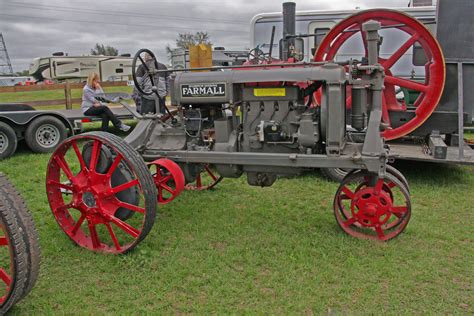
<point x="77" y="68"/>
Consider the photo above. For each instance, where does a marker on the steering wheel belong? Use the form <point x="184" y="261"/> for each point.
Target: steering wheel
<point x="257" y="56"/>
<point x="147" y="71"/>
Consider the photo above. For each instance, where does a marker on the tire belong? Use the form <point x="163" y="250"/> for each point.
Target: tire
<point x="8" y="141"/>
<point x="45" y="133"/>
<point x="334" y="174"/>
<point x="12" y="233"/>
<point x="29" y="232"/>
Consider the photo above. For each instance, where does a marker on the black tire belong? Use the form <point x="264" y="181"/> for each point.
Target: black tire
<point x="334" y="174"/>
<point x="13" y="233"/>
<point x="8" y="141"/>
<point x="29" y="232"/>
<point x="45" y="133"/>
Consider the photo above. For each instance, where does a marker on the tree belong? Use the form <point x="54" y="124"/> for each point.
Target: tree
<point x="184" y="40"/>
<point x="100" y="49"/>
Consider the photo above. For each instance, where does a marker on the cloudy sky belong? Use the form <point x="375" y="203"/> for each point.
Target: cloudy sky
<point x="34" y="28"/>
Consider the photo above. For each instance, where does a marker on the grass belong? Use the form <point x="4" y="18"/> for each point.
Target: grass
<point x="242" y="249"/>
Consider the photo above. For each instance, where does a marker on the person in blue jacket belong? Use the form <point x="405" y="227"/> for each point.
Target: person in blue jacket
<point x="91" y="107"/>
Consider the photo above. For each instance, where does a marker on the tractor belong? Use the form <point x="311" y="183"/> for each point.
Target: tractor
<point x="266" y="119"/>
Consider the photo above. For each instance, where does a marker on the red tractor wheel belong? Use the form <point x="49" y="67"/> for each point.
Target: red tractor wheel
<point x="381" y="211"/>
<point x="101" y="192"/>
<point x="169" y="179"/>
<point x="346" y="34"/>
<point x="206" y="179"/>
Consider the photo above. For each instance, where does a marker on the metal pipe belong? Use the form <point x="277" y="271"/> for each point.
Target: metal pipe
<point x="289" y="28"/>
<point x="317" y="63"/>
<point x="460" y="111"/>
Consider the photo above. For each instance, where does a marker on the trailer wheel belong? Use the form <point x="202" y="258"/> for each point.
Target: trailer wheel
<point x="30" y="234"/>
<point x="45" y="133"/>
<point x="8" y="141"/>
<point x="85" y="200"/>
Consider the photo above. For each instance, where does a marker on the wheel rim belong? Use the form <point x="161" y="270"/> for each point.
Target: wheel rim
<point x="169" y="179"/>
<point x="3" y="142"/>
<point x="206" y="179"/>
<point x="47" y="135"/>
<point x="84" y="202"/>
<point x="6" y="266"/>
<point x="430" y="91"/>
<point x="379" y="212"/>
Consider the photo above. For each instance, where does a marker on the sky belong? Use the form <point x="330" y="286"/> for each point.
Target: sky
<point x="37" y="28"/>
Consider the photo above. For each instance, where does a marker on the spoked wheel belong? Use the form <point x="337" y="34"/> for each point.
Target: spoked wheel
<point x="101" y="192"/>
<point x="19" y="247"/>
<point x="380" y="211"/>
<point x="168" y="178"/>
<point x="348" y="34"/>
<point x="205" y="178"/>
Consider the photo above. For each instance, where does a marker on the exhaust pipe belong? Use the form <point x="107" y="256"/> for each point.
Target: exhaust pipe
<point x="289" y="28"/>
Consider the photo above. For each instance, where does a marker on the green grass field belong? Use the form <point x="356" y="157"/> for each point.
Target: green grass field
<point x="276" y="250"/>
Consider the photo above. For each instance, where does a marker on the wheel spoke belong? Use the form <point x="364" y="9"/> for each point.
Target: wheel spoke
<point x="64" y="166"/>
<point x="78" y="224"/>
<point x="144" y="63"/>
<point x="409" y="84"/>
<point x="350" y="221"/>
<point x="167" y="188"/>
<point x="132" y="231"/>
<point x="400" y="52"/>
<point x="391" y="184"/>
<point x="124" y="186"/>
<point x="79" y="155"/>
<point x="114" y="166"/>
<point x="399" y="211"/>
<point x="113" y="236"/>
<point x="378" y="186"/>
<point x="94" y="237"/>
<point x="379" y="231"/>
<point x="209" y="171"/>
<point x="198" y="181"/>
<point x="348" y="192"/>
<point x="131" y="207"/>
<point x="5" y="277"/>
<point x="3" y="241"/>
<point x="61" y="185"/>
<point x="95" y="155"/>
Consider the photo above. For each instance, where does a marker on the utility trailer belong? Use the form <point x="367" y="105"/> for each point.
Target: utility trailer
<point x="43" y="130"/>
<point x="430" y="132"/>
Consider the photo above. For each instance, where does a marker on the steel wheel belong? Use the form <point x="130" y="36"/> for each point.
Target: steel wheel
<point x="379" y="212"/>
<point x="86" y="202"/>
<point x="168" y="178"/>
<point x="205" y="178"/>
<point x="48" y="136"/>
<point x="350" y="30"/>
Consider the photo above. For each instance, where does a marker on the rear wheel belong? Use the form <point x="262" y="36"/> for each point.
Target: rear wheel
<point x="8" y="141"/>
<point x="85" y="200"/>
<point x="28" y="229"/>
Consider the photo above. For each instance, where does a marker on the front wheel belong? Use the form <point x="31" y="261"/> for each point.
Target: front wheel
<point x="85" y="181"/>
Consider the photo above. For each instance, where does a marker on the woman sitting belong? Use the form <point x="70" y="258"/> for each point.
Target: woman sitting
<point x="91" y="107"/>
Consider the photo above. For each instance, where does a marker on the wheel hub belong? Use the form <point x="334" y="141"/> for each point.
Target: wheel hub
<point x="89" y="199"/>
<point x="371" y="209"/>
<point x="3" y="142"/>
